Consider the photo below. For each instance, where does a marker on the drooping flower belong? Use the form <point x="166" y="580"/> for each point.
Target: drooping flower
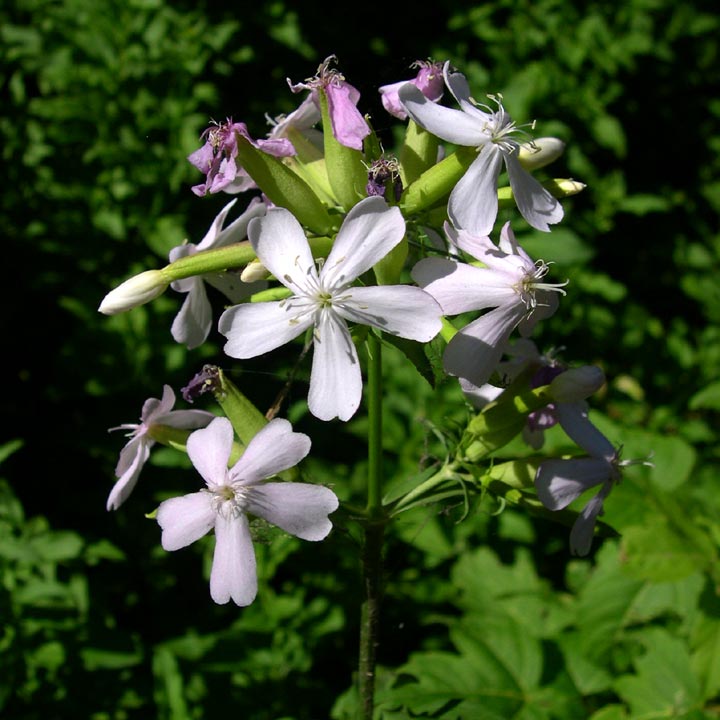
<point x="231" y="494"/>
<point x="217" y="158"/>
<point x="561" y="481"/>
<point x="348" y="125"/>
<point x="136" y="452"/>
<point x="429" y="80"/>
<point x="473" y="202"/>
<point x="326" y="299"/>
<point x="510" y="282"/>
<point x="192" y="324"/>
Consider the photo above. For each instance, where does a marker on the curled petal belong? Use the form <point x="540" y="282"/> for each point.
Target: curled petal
<point x="348" y="125"/>
<point x="534" y="202"/>
<point x="297" y="508"/>
<point x="559" y="482"/>
<point x="132" y="458"/>
<point x="473" y="203"/>
<point x="185" y="519"/>
<point x="582" y="531"/>
<point x="396" y="309"/>
<point x="209" y="450"/>
<point x="335" y="380"/>
<point x="153" y="407"/>
<point x="192" y="324"/>
<point x="273" y="449"/>
<point x="254" y="329"/>
<point x="234" y="573"/>
<point x="475" y="351"/>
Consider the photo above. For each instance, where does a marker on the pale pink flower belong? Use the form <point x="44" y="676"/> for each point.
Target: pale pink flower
<point x="429" y="80"/>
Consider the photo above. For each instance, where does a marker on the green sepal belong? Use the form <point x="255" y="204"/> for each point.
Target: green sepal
<point x="345" y="168"/>
<point x="284" y="187"/>
<point x="217" y="260"/>
<point x="245" y="418"/>
<point x="387" y="271"/>
<point x="418" y="153"/>
<point x="310" y="164"/>
<point x="436" y="183"/>
<point x="271" y="294"/>
<point x="500" y="421"/>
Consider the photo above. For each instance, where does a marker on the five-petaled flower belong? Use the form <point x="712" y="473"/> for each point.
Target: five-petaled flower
<point x="473" y="202"/>
<point x="560" y="481"/>
<point x="325" y="299"/>
<point x="510" y="282"/>
<point x="192" y="324"/>
<point x="231" y="494"/>
<point x="135" y="454"/>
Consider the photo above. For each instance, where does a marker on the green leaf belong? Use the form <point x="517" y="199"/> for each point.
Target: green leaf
<point x="706" y="399"/>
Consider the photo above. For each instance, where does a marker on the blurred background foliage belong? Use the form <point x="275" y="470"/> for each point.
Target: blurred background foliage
<point x="484" y="618"/>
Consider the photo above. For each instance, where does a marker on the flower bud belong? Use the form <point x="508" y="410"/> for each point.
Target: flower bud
<point x="136" y="291"/>
<point x="254" y="271"/>
<point x="577" y="384"/>
<point x="540" y="152"/>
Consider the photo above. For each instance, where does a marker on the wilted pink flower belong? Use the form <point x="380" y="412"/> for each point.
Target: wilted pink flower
<point x="429" y="81"/>
<point x="231" y="494"/>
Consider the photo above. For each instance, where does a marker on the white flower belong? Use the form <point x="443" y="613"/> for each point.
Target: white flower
<point x="325" y="299"/>
<point x="473" y="203"/>
<point x="298" y="508"/>
<point x="192" y="324"/>
<point x="510" y="282"/>
<point x="560" y="481"/>
<point x="136" y="452"/>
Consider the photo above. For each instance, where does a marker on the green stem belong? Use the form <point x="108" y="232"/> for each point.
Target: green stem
<point x="374" y="535"/>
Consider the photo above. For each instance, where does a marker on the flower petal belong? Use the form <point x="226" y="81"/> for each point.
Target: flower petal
<point x="185" y="519"/>
<point x="573" y="417"/>
<point x="273" y="449"/>
<point x="186" y="419"/>
<point x="192" y="324"/>
<point x="153" y="406"/>
<point x="452" y="125"/>
<point x="132" y="458"/>
<point x="459" y="287"/>
<point x="475" y="351"/>
<point x="297" y="508"/>
<point x="558" y="482"/>
<point x="582" y="531"/>
<point x="348" y="125"/>
<point x="534" y="202"/>
<point x="234" y="573"/>
<point x="254" y="329"/>
<point x="396" y="309"/>
<point x="368" y="233"/>
<point x="473" y="203"/>
<point x="209" y="450"/>
<point x="281" y="245"/>
<point x="335" y="380"/>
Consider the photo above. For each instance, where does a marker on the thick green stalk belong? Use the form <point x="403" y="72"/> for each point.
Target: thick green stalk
<point x="374" y="535"/>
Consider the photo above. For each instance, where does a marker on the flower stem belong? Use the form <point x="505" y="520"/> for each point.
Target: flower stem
<point x="374" y="536"/>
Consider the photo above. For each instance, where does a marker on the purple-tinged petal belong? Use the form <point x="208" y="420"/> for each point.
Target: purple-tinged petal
<point x="582" y="531"/>
<point x="475" y="351"/>
<point x="132" y="458"/>
<point x="573" y="417"/>
<point x="203" y="158"/>
<point x="281" y="245"/>
<point x="534" y="202"/>
<point x="473" y="203"/>
<point x="209" y="450"/>
<point x="185" y="519"/>
<point x="273" y="449"/>
<point x="459" y="287"/>
<point x="559" y="482"/>
<point x="391" y="101"/>
<point x="186" y="419"/>
<point x="335" y="380"/>
<point x="448" y="124"/>
<point x="368" y="233"/>
<point x="396" y="309"/>
<point x="348" y="125"/>
<point x="297" y="508"/>
<point x="192" y="324"/>
<point x="153" y="407"/>
<point x="234" y="573"/>
<point x="257" y="328"/>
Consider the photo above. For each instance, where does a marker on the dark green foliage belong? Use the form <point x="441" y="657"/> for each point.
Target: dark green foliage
<point x="487" y="618"/>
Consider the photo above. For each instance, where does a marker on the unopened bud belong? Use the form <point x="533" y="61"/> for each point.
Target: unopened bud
<point x="138" y="290"/>
<point x="254" y="271"/>
<point x="577" y="384"/>
<point x="564" y="187"/>
<point x="540" y="152"/>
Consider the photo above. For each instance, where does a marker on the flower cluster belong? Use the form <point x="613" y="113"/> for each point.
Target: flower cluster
<point x="327" y="254"/>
